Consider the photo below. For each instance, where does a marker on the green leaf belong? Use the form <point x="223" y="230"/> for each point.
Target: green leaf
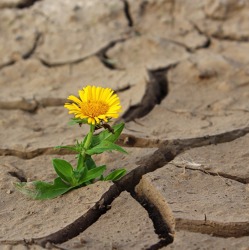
<point x="80" y="163"/>
<point x="84" y="141"/>
<point x="115" y="175"/>
<point x="77" y="121"/>
<point x="92" y="174"/>
<point x="65" y="170"/>
<point x="40" y="190"/>
<point x="79" y="174"/>
<point x="105" y="135"/>
<point x="90" y="164"/>
<point x="104" y="146"/>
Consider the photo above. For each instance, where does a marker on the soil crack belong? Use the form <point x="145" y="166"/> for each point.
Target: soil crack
<point x="161" y="228"/>
<point x="7" y="64"/>
<point x="128" y="140"/>
<point x="29" y="105"/>
<point x="124" y="140"/>
<point x="200" y="167"/>
<point x="156" y="91"/>
<point x="19" y="5"/>
<point x="26" y="3"/>
<point x="34" y="153"/>
<point x="127" y="13"/>
<point x="103" y="57"/>
<point x="221" y="229"/>
<point x="19" y="176"/>
<point x="28" y="54"/>
<point x="220" y="36"/>
<point x="101" y="54"/>
<point x="206" y="140"/>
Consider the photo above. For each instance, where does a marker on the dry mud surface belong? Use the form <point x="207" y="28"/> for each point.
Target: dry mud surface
<point x="181" y="71"/>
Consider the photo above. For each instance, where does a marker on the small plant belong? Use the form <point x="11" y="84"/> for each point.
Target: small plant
<point x="96" y="106"/>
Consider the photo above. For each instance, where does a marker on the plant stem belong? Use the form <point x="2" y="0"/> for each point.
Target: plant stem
<point x="86" y="146"/>
<point x="89" y="137"/>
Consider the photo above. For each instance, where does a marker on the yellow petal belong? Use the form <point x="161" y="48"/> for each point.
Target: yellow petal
<point x="74" y="99"/>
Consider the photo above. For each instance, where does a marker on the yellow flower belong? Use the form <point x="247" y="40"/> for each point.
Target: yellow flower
<point x="94" y="104"/>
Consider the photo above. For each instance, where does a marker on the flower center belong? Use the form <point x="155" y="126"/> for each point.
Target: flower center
<point x="94" y="109"/>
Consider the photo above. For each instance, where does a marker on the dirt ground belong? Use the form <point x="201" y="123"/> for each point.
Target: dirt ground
<point x="180" y="68"/>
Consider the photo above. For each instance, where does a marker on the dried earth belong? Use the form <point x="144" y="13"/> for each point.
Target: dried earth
<point x="181" y="70"/>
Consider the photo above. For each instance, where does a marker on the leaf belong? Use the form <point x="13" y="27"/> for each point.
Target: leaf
<point x="90" y="164"/>
<point x="105" y="135"/>
<point x="84" y="141"/>
<point x="115" y="175"/>
<point x="77" y="121"/>
<point x="92" y="174"/>
<point x="79" y="174"/>
<point x="65" y="170"/>
<point x="105" y="146"/>
<point x="80" y="163"/>
<point x="40" y="190"/>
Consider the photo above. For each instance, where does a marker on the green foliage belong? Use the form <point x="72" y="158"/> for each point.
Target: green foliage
<point x="78" y="147"/>
<point x="77" y="121"/>
<point x="92" y="174"/>
<point x="105" y="146"/>
<point x="86" y="171"/>
<point x="90" y="163"/>
<point x="41" y="190"/>
<point x="105" y="135"/>
<point x="65" y="171"/>
<point x="115" y="175"/>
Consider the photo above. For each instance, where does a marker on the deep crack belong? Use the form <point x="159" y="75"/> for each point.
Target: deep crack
<point x="161" y="228"/>
<point x="156" y="91"/>
<point x="148" y="164"/>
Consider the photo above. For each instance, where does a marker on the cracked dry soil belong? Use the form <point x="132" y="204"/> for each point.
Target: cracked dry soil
<point x="181" y="71"/>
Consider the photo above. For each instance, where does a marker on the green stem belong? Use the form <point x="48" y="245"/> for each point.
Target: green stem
<point x="82" y="156"/>
<point x="89" y="137"/>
